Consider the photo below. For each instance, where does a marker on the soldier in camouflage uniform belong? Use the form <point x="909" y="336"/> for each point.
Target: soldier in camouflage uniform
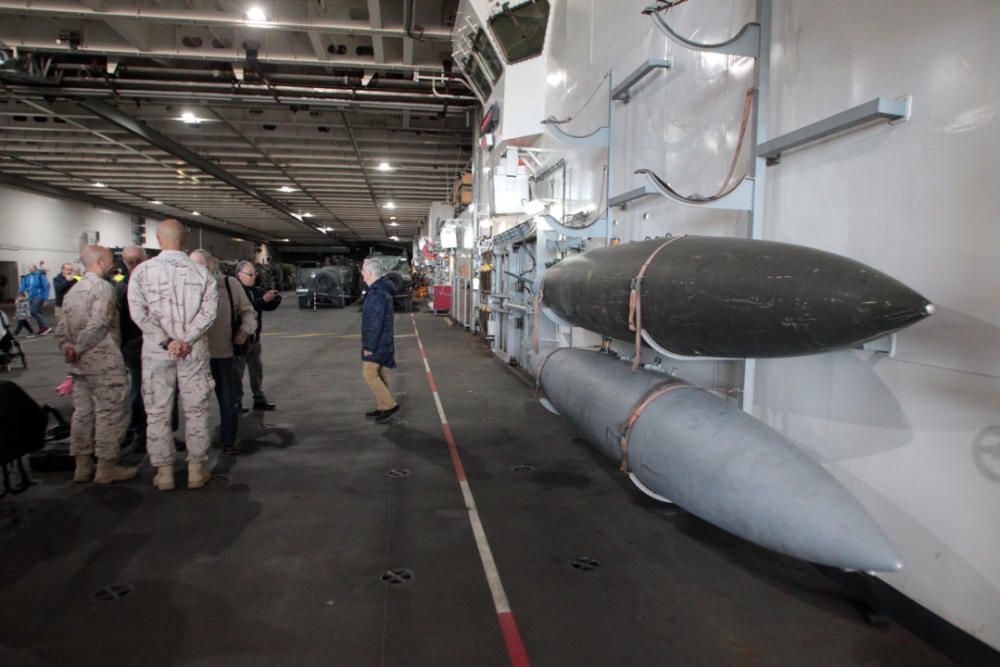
<point x="174" y="301"/>
<point x="88" y="336"/>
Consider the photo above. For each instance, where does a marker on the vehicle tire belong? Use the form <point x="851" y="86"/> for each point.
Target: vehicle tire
<point x="325" y="282"/>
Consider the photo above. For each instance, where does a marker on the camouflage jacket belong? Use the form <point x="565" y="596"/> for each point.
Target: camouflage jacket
<point x="90" y="324"/>
<point x="172" y="298"/>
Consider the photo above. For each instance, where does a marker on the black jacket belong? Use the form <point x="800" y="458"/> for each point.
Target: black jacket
<point x="256" y="296"/>
<point x="130" y="331"/>
<point x="61" y="285"/>
<point x="377" y="335"/>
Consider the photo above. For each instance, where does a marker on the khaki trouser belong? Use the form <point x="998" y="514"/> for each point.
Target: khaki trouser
<point x="377" y="378"/>
<point x="101" y="414"/>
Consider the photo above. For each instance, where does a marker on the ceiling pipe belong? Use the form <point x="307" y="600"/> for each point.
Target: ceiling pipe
<point x="233" y="55"/>
<point x="151" y="14"/>
<point x="408" y="19"/>
<point x="263" y="99"/>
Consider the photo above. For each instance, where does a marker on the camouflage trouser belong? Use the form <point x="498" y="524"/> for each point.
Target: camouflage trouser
<point x="100" y="414"/>
<point x="161" y="375"/>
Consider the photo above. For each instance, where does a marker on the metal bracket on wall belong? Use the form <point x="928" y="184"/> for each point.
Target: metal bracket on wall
<point x="883" y="345"/>
<point x="680" y="357"/>
<point x="599" y="137"/>
<point x="623" y="91"/>
<point x="561" y="245"/>
<point x="623" y="200"/>
<point x="549" y="313"/>
<point x="879" y="108"/>
<point x="739" y="198"/>
<point x="597" y="229"/>
<point x="745" y="43"/>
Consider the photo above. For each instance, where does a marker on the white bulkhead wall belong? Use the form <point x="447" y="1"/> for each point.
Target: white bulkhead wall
<point x="35" y="227"/>
<point x="916" y="437"/>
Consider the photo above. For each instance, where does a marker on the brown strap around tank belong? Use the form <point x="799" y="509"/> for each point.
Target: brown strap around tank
<point x="635" y="300"/>
<point x="538" y="309"/>
<point x="541" y="367"/>
<point x="633" y="416"/>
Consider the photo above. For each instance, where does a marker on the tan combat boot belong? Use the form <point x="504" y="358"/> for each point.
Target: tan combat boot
<point x="197" y="476"/>
<point x="109" y="471"/>
<point x="164" y="479"/>
<point x="84" y="468"/>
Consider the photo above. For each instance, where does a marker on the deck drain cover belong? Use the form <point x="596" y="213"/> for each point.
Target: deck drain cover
<point x="111" y="593"/>
<point x="522" y="468"/>
<point x="585" y="563"/>
<point x="398" y="472"/>
<point x="397" y="576"/>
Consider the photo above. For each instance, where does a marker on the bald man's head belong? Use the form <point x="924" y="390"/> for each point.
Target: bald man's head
<point x="97" y="259"/>
<point x="133" y="256"/>
<point x="171" y="234"/>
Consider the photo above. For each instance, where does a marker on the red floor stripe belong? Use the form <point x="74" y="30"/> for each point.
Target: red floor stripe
<point x="508" y="625"/>
<point x="511" y="635"/>
<point x="456" y="461"/>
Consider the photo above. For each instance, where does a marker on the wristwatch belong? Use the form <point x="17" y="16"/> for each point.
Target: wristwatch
<point x="166" y="344"/>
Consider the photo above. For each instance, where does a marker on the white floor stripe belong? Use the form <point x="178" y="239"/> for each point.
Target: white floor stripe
<point x="437" y="402"/>
<point x="485" y="554"/>
<point x="482" y="544"/>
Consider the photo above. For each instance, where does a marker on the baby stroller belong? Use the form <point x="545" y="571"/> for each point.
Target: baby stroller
<point x="10" y="347"/>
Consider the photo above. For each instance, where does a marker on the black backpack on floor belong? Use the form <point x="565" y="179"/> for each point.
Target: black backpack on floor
<point x="23" y="426"/>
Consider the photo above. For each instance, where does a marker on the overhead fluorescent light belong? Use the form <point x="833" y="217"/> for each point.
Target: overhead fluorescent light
<point x="189" y="118"/>
<point x="306" y="215"/>
<point x="195" y="213"/>
<point x="156" y="202"/>
<point x="384" y="166"/>
<point x="393" y="238"/>
<point x="392" y="217"/>
<point x="256" y="15"/>
<point x="287" y="188"/>
<point x="389" y="205"/>
<point x="394" y="224"/>
<point x="98" y="184"/>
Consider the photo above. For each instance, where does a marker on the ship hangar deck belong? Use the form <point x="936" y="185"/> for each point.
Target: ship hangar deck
<point x="281" y="559"/>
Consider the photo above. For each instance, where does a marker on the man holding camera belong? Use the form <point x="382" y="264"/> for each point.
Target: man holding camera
<point x="262" y="300"/>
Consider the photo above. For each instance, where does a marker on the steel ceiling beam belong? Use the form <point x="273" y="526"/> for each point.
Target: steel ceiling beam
<point x="285" y="173"/>
<point x="168" y="145"/>
<point x="364" y="172"/>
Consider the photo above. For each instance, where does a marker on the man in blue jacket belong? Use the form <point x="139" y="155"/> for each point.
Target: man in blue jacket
<point x="378" y="347"/>
<point x="37" y="286"/>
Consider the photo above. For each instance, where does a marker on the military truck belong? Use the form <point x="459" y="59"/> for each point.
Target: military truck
<point x="397" y="269"/>
<point x="335" y="285"/>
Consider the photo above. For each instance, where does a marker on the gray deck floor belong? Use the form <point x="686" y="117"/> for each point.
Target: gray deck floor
<point x="278" y="561"/>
